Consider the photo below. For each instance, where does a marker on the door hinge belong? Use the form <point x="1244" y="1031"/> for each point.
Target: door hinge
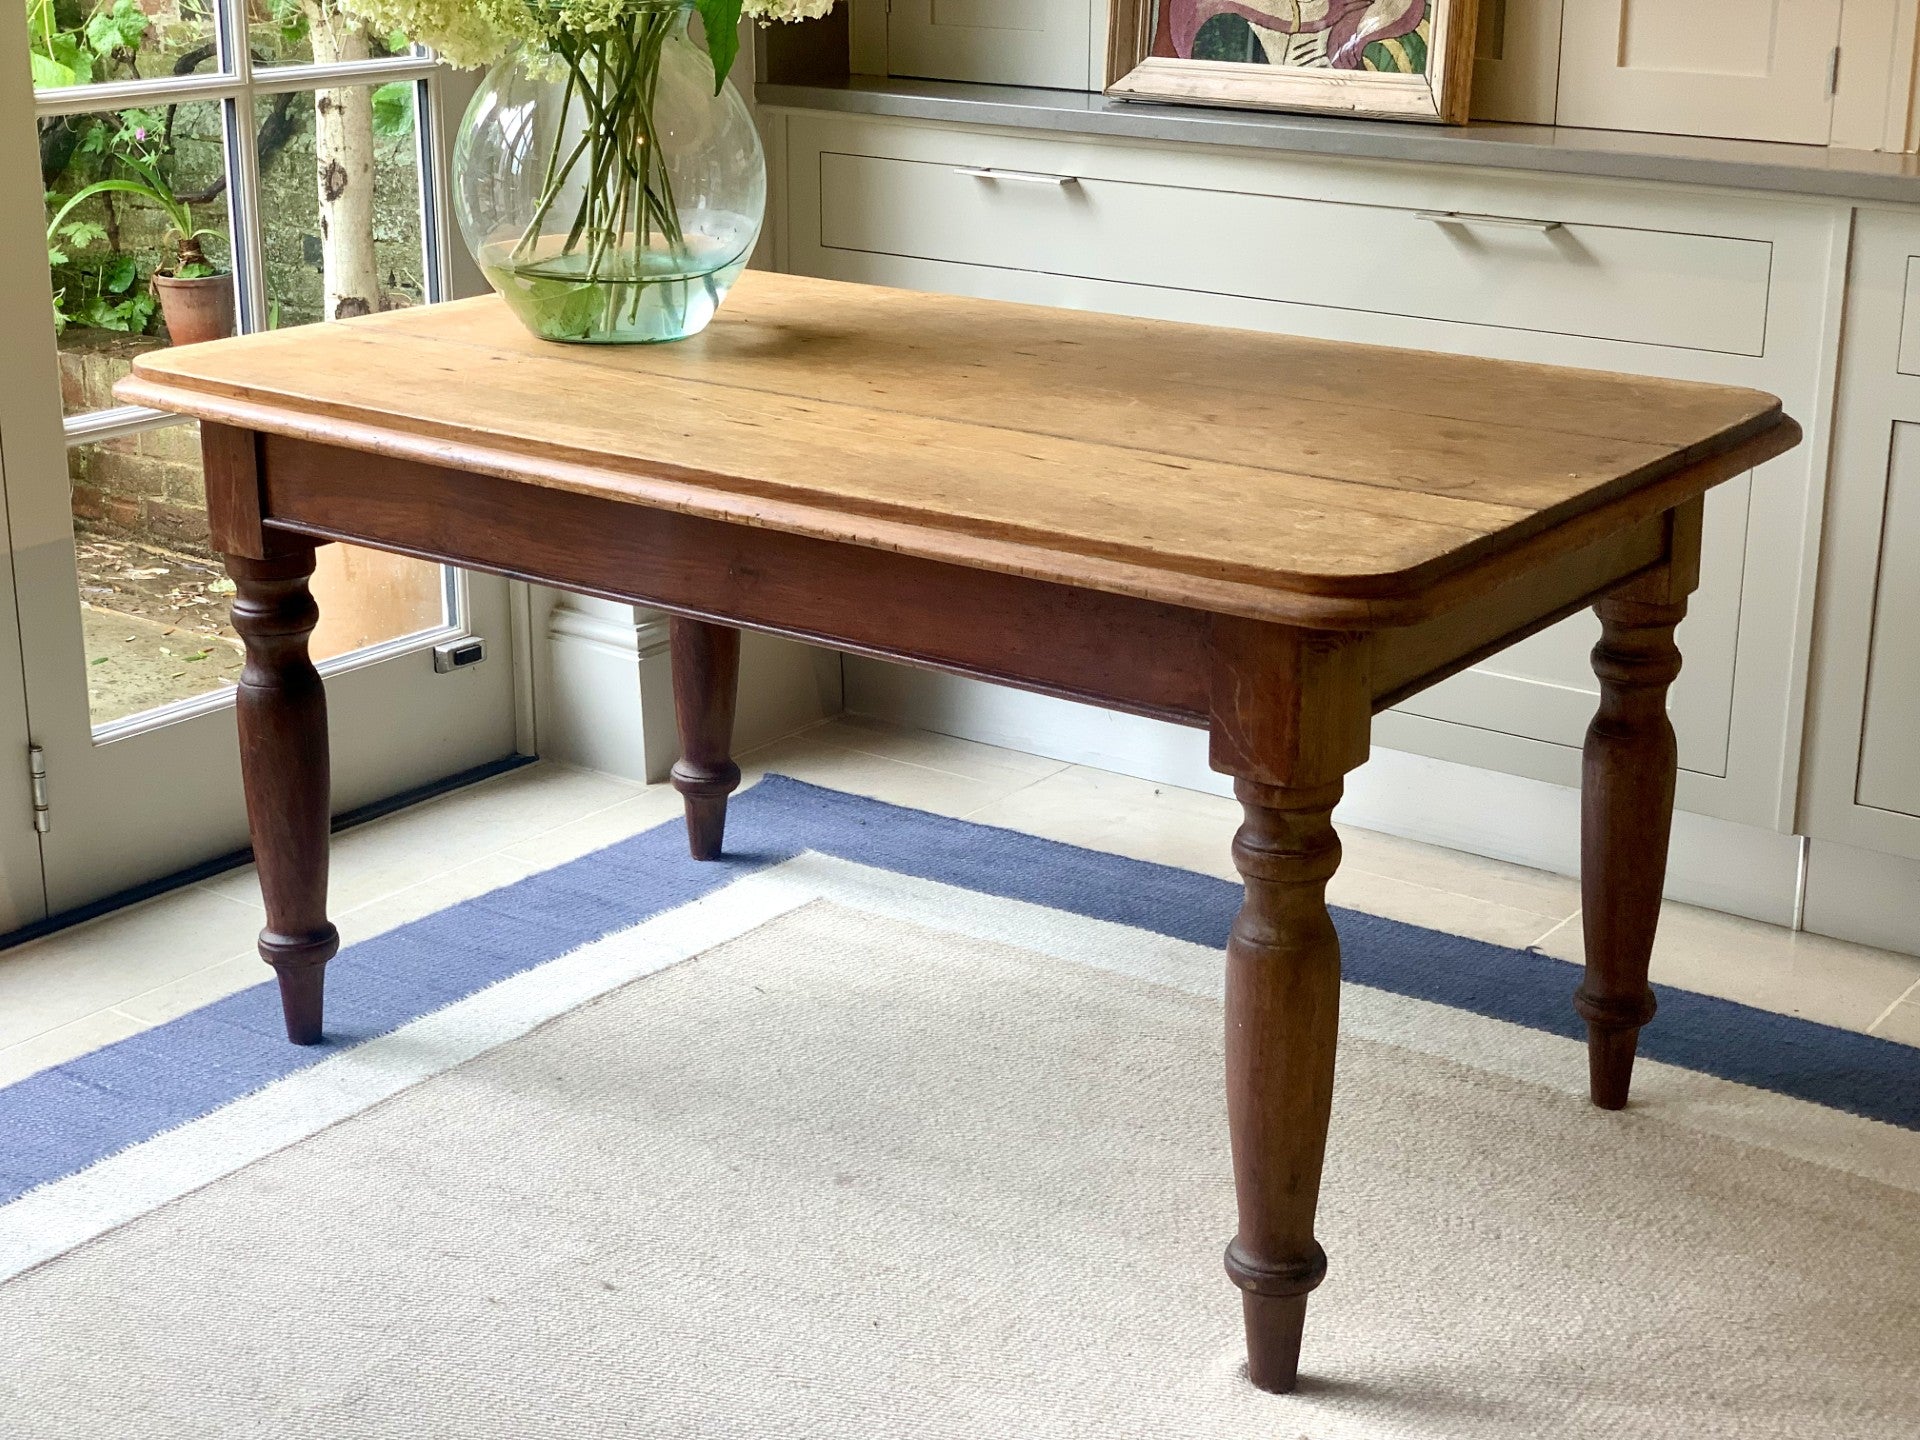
<point x="37" y="777"/>
<point x="1833" y="72"/>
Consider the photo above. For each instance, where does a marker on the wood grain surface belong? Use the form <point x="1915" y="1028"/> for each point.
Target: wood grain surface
<point x="1178" y="463"/>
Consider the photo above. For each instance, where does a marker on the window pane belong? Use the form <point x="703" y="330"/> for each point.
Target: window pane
<point x="365" y="252"/>
<point x="153" y="599"/>
<point x="368" y="597"/>
<point x="91" y="42"/>
<point x="137" y="209"/>
<point x="300" y="32"/>
<point x="153" y="594"/>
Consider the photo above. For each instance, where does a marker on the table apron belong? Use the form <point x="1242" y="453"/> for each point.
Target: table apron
<point x="1116" y="651"/>
<point x="1411" y="658"/>
<point x="1110" y="650"/>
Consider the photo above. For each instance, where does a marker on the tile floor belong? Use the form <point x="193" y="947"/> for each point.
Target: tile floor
<point x="85" y="987"/>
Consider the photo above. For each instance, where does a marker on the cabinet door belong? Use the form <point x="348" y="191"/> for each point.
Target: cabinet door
<point x="999" y="42"/>
<point x="1746" y="69"/>
<point x="1864" y="785"/>
<point x="1890" y="729"/>
<point x="1516" y="61"/>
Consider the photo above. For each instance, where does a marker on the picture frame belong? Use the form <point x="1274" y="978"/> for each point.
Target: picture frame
<point x="1382" y="59"/>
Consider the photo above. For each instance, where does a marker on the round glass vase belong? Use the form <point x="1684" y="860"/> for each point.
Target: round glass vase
<point x="607" y="192"/>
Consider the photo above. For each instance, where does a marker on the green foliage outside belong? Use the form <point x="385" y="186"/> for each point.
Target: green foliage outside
<point x="79" y="49"/>
<point x="133" y="192"/>
<point x="90" y="162"/>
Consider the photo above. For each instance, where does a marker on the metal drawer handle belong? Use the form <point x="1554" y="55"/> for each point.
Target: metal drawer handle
<point x="1023" y="177"/>
<point x="1497" y="222"/>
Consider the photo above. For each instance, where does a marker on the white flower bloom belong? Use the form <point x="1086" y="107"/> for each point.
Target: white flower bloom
<point x="475" y="33"/>
<point x="768" y="10"/>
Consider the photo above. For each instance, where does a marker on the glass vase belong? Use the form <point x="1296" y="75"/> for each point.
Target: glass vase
<point x="607" y="192"/>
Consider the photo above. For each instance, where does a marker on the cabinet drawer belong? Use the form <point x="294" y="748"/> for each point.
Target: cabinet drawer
<point x="1653" y="287"/>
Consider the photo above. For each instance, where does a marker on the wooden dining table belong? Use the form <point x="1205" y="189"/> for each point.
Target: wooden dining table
<point x="1265" y="537"/>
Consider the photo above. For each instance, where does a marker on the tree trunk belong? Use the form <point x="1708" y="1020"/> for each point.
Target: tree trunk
<point x="343" y="154"/>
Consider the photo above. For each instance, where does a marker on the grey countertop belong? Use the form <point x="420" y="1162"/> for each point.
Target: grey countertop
<point x="1731" y="164"/>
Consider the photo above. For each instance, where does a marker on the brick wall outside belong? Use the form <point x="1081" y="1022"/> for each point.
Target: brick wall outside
<point x="149" y="488"/>
<point x="144" y="487"/>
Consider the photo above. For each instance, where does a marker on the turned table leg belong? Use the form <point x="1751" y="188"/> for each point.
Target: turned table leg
<point x="706" y="676"/>
<point x="282" y="710"/>
<point x="1283" y="1007"/>
<point x="1625" y="822"/>
<point x="1290" y="716"/>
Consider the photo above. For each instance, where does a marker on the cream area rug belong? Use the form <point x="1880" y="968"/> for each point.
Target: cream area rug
<point x="836" y="1150"/>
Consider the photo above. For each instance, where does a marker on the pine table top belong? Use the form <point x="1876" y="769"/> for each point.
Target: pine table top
<point x="1226" y="469"/>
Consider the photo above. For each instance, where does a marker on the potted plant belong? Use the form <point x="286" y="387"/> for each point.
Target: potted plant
<point x="196" y="296"/>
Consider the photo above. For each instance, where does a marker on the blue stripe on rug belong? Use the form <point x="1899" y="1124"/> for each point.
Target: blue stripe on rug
<point x="64" y="1119"/>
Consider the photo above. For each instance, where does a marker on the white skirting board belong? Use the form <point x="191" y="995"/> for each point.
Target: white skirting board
<point x="1864" y="896"/>
<point x="1715" y="863"/>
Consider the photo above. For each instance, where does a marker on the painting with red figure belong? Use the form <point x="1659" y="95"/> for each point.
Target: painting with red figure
<point x="1378" y="35"/>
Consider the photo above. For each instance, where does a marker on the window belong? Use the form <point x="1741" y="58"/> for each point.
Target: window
<point x="213" y="167"/>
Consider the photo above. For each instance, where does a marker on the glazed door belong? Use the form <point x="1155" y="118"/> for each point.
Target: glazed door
<point x="174" y="172"/>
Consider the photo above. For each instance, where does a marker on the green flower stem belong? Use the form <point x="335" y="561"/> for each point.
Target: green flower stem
<point x="627" y="213"/>
<point x="556" y="172"/>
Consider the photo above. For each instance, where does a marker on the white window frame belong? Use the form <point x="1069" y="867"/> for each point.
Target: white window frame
<point x="237" y="87"/>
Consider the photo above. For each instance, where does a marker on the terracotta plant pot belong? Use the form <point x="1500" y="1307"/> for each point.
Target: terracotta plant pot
<point x="196" y="310"/>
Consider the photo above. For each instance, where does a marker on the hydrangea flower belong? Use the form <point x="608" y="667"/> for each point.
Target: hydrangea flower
<point x="607" y="161"/>
<point x="473" y="34"/>
<point x="769" y="10"/>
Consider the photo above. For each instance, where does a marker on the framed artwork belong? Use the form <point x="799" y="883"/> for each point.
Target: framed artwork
<point x="1391" y="59"/>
